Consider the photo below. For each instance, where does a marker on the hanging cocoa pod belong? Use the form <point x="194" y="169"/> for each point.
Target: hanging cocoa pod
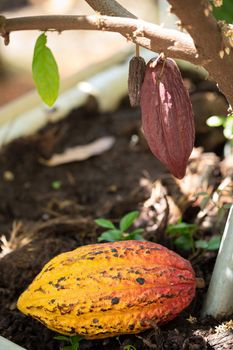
<point x="167" y="116"/>
<point x="137" y="67"/>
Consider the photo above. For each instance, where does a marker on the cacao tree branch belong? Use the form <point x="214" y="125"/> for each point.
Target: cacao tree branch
<point x="113" y="8"/>
<point x="204" y="46"/>
<point x="155" y="38"/>
<point x="196" y="17"/>
<point x="110" y="8"/>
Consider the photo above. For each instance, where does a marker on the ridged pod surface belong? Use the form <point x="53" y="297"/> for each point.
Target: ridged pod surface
<point x="109" y="289"/>
<point x="167" y="116"/>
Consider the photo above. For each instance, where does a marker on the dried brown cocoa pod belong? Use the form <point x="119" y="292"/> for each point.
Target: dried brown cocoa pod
<point x="137" y="67"/>
<point x="167" y="116"/>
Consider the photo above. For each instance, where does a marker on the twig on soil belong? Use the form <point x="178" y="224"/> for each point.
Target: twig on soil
<point x="8" y="246"/>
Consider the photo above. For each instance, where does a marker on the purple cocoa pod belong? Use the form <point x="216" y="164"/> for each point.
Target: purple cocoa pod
<point x="167" y="116"/>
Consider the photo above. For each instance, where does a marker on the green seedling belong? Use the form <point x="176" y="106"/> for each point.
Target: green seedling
<point x="212" y="244"/>
<point x="226" y="122"/>
<point x="56" y="185"/>
<point x="183" y="237"/>
<point x="120" y="233"/>
<point x="73" y="341"/>
<point x="182" y="234"/>
<point x="129" y="347"/>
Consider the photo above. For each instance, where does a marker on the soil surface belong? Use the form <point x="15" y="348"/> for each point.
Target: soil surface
<point x="48" y="210"/>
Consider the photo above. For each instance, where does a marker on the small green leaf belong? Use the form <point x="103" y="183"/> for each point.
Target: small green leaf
<point x="182" y="229"/>
<point x="128" y="220"/>
<point x="56" y="185"/>
<point x="201" y="194"/>
<point x="184" y="242"/>
<point x="204" y="202"/>
<point x="110" y="236"/>
<point x="228" y="128"/>
<point x="73" y="340"/>
<point x="76" y="338"/>
<point x="129" y="347"/>
<point x="201" y="243"/>
<point x="138" y="231"/>
<point x="105" y="223"/>
<point x="135" y="236"/>
<point x="215" y="121"/>
<point x="45" y="71"/>
<point x="227" y="205"/>
<point x="62" y="337"/>
<point x="221" y="214"/>
<point x="214" y="243"/>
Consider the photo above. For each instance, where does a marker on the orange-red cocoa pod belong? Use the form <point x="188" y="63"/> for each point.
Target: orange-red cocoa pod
<point x="109" y="289"/>
<point x="167" y="116"/>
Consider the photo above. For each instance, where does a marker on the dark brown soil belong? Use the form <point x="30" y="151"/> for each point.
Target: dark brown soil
<point x="39" y="221"/>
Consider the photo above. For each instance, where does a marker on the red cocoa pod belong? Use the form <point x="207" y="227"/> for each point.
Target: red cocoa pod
<point x="167" y="116"/>
<point x="137" y="67"/>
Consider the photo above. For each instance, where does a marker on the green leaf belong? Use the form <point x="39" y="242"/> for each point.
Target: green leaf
<point x="214" y="243"/>
<point x="111" y="236"/>
<point x="201" y="243"/>
<point x="184" y="242"/>
<point x="136" y="237"/>
<point x="220" y="215"/>
<point x="201" y="194"/>
<point x="228" y="119"/>
<point x="204" y="202"/>
<point x="228" y="128"/>
<point x="105" y="223"/>
<point x="215" y="121"/>
<point x="56" y="185"/>
<point x="128" y="220"/>
<point x="73" y="340"/>
<point x="138" y="231"/>
<point x="227" y="205"/>
<point x="129" y="347"/>
<point x="182" y="229"/>
<point x="224" y="12"/>
<point x="45" y="71"/>
<point x="62" y="337"/>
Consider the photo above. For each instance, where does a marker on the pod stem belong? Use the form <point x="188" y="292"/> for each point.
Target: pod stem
<point x="137" y="51"/>
<point x="163" y="57"/>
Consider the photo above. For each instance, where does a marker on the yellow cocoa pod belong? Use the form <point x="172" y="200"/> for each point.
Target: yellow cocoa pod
<point x="109" y="289"/>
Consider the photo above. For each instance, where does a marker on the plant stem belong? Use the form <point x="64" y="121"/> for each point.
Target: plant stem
<point x="137" y="51"/>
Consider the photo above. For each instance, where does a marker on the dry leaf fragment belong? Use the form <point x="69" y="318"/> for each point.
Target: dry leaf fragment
<point x="79" y="153"/>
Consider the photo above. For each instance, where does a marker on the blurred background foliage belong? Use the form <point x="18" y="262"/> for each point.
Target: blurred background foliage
<point x="224" y="12"/>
